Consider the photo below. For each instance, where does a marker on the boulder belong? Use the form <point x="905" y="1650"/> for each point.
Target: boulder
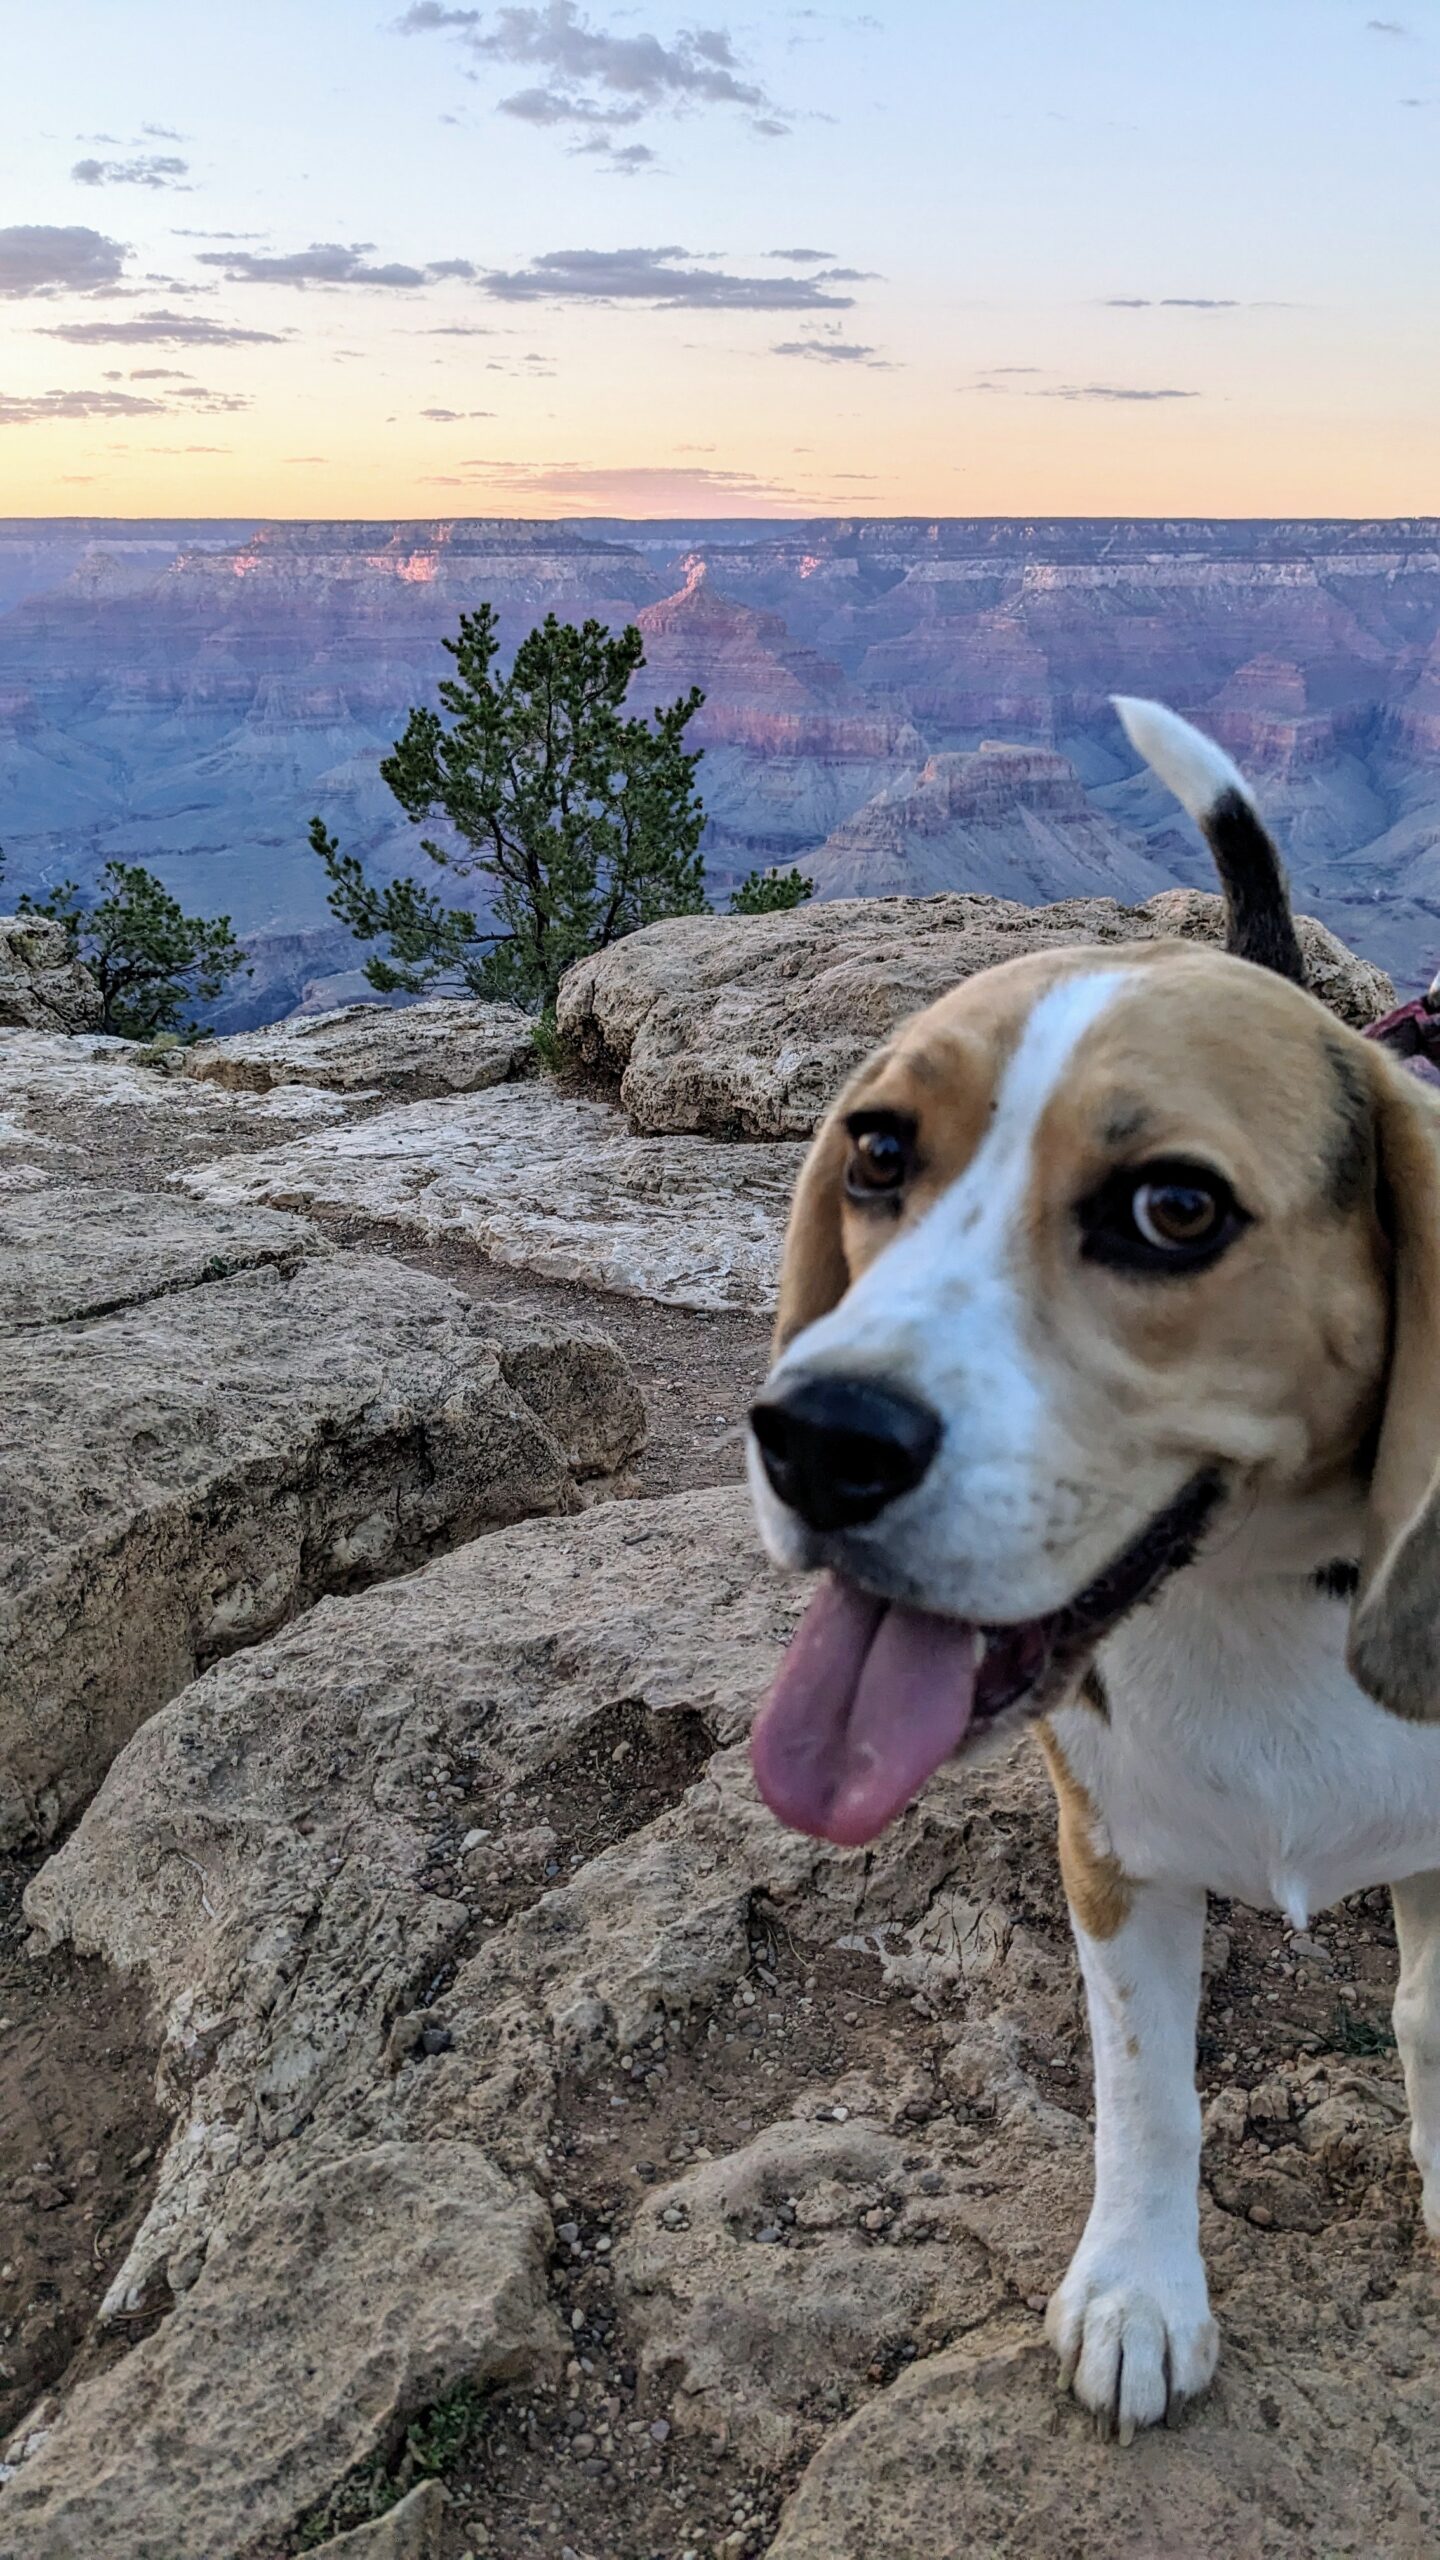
<point x="348" y="2297"/>
<point x="68" y="1252"/>
<point x="257" y="1421"/>
<point x="459" y="1887"/>
<point x="973" y="2451"/>
<point x="413" y="2530"/>
<point x="42" y="986"/>
<point x="746" y="1026"/>
<point x="543" y="1182"/>
<point x="417" y="1050"/>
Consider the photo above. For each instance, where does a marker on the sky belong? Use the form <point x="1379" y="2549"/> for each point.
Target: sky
<point x="950" y="257"/>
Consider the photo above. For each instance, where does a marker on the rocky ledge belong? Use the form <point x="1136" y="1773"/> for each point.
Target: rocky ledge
<point x="543" y="2121"/>
<point x="746" y="1026"/>
<point x="212" y="1417"/>
<point x="513" y="2051"/>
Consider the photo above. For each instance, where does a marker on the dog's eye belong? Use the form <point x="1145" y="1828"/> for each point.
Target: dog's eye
<point x="1170" y="1214"/>
<point x="1161" y="1217"/>
<point x="882" y="1147"/>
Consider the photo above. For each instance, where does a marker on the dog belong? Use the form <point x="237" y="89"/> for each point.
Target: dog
<point x="1106" y="1394"/>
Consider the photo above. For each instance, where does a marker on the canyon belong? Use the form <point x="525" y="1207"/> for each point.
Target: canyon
<point x="898" y="706"/>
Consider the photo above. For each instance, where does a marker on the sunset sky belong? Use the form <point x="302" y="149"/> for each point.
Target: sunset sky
<point x="310" y="258"/>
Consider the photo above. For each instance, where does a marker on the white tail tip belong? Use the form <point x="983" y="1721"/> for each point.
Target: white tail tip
<point x="1187" y="762"/>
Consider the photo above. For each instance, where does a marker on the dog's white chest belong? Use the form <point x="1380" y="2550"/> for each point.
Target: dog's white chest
<point x="1239" y="1754"/>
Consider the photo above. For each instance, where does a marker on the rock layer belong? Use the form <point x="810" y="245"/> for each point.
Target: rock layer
<point x="748" y="1025"/>
<point x="42" y="988"/>
<point x="255" y="1423"/>
<point x="541" y="1182"/>
<point x="414" y="1050"/>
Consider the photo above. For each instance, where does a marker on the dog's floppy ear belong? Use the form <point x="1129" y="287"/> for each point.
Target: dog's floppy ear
<point x="814" y="1275"/>
<point x="1395" y="1627"/>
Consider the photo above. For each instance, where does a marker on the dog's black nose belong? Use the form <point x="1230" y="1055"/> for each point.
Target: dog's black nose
<point x="837" y="1450"/>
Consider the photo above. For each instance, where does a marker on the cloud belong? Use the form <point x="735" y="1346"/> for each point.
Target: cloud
<point x="49" y="258"/>
<point x="177" y="234"/>
<point x="1171" y="302"/>
<point x="623" y="160"/>
<point x="1107" y="391"/>
<point x="149" y="170"/>
<point x="329" y="262"/>
<point x="641" y="489"/>
<point x="452" y="417"/>
<point x="162" y="329"/>
<point x="591" y="71"/>
<point x="553" y="106"/>
<point x="42" y="407"/>
<point x="459" y="329"/>
<point x="1386" y="27"/>
<point x="667" y="278"/>
<point x="832" y="351"/>
<point x="801" y="257"/>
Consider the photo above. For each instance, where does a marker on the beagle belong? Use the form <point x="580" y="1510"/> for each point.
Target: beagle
<point x="1114" y="1279"/>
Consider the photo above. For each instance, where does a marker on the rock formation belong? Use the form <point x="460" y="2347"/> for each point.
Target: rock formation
<point x="211" y="1420"/>
<point x="41" y="987"/>
<point x="748" y="1026"/>
<point x="539" y="2113"/>
<point x="186" y="703"/>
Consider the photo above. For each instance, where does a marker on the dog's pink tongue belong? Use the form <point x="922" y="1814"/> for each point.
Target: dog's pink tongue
<point x="869" y="1701"/>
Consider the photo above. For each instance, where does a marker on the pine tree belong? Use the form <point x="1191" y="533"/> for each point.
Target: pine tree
<point x="583" y="820"/>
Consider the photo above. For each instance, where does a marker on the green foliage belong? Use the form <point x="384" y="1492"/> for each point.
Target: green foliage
<point x="584" y="821"/>
<point x="1362" y="2038"/>
<point x="434" y="2443"/>
<point x="768" y="893"/>
<point x="149" y="959"/>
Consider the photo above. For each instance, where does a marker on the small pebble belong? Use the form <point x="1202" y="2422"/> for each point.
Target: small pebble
<point x="659" y="2430"/>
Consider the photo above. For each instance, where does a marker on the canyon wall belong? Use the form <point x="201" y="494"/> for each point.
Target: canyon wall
<point x="185" y="695"/>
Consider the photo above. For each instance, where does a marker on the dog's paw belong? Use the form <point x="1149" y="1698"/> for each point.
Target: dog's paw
<point x="1133" y="2333"/>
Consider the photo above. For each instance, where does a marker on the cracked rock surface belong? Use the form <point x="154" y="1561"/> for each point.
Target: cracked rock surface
<point x="459" y="1887"/>
<point x="538" y="1180"/>
<point x="747" y="1026"/>
<point x="415" y="1050"/>
<point x="211" y="1418"/>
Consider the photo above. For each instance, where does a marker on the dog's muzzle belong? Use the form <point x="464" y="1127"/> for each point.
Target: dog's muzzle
<point x="838" y="1451"/>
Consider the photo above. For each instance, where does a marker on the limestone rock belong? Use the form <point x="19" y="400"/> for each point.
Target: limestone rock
<point x="349" y="2299"/>
<point x="746" y="1026"/>
<point x="798" y="2263"/>
<point x="185" y="1474"/>
<point x="100" y="1110"/>
<point x="539" y="1181"/>
<point x="508" y="1797"/>
<point x="417" y="1050"/>
<point x="41" y="987"/>
<point x="411" y="2531"/>
<point x="68" y="1252"/>
<point x="974" y="2450"/>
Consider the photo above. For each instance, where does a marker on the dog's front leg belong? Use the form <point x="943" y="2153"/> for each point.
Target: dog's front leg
<point x="1417" y="2028"/>
<point x="1131" y="2322"/>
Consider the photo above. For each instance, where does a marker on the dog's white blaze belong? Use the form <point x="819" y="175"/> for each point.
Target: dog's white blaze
<point x="943" y="1314"/>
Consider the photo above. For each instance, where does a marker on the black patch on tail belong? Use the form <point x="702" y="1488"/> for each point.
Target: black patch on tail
<point x="1339" y="1580"/>
<point x="1261" y="927"/>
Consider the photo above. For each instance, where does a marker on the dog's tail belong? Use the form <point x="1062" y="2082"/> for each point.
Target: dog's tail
<point x="1216" y="795"/>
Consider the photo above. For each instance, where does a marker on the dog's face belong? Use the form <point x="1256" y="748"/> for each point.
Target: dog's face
<point x="1110" y="1224"/>
<point x="1094" y="1248"/>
